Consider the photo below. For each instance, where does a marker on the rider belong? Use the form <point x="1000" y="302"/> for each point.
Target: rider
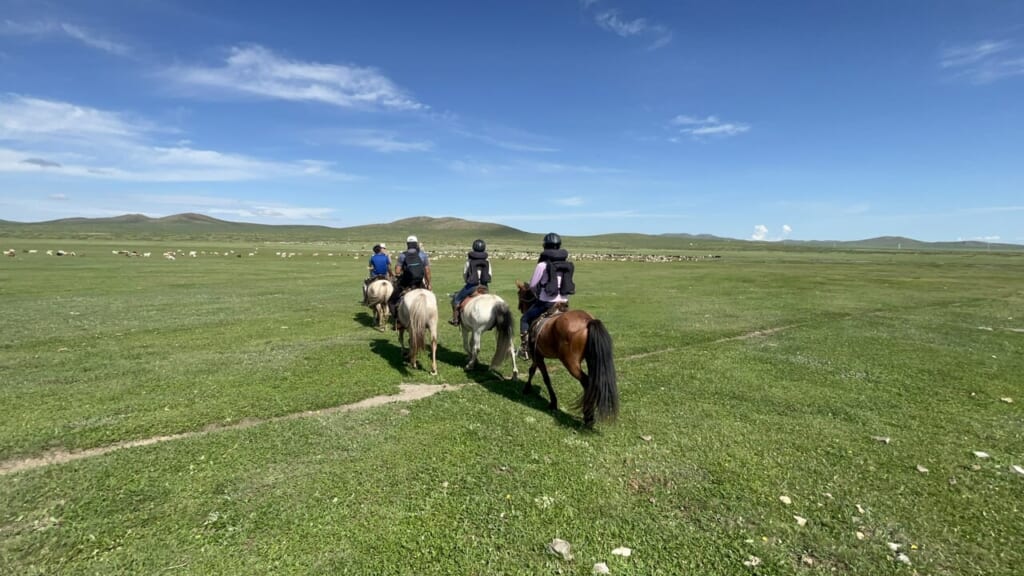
<point x="411" y="271"/>
<point x="551" y="282"/>
<point x="379" y="266"/>
<point x="476" y="272"/>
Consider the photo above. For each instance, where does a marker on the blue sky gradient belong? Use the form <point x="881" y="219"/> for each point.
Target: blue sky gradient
<point x="828" y="120"/>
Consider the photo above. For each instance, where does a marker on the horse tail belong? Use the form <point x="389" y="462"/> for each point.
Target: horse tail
<point x="417" y="324"/>
<point x="601" y="393"/>
<point x="505" y="328"/>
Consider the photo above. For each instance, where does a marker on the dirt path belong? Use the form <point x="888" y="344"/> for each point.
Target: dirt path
<point x="408" y="393"/>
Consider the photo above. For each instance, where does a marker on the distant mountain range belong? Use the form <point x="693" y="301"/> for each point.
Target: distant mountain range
<point x="434" y="231"/>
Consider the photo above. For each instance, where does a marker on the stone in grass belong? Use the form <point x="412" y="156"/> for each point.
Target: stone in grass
<point x="601" y="568"/>
<point x="785" y="500"/>
<point x="893" y="546"/>
<point x="1007" y="399"/>
<point x="752" y="562"/>
<point x="922" y="469"/>
<point x="980" y="454"/>
<point x="800" y="520"/>
<point x="560" y="548"/>
<point x="622" y="551"/>
<point x="646" y="438"/>
<point x="1017" y="469"/>
<point x="903" y="558"/>
<point x="882" y="439"/>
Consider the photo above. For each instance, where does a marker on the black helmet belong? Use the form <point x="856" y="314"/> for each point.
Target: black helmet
<point x="479" y="245"/>
<point x="553" y="241"/>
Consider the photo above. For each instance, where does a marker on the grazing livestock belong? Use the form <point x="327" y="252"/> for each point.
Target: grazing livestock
<point x="10" y="253"/>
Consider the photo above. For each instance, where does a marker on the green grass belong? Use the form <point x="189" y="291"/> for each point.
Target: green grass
<point x="917" y="347"/>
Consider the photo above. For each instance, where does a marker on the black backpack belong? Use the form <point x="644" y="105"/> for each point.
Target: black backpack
<point x="478" y="273"/>
<point x="412" y="269"/>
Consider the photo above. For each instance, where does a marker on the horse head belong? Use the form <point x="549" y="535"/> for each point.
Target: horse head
<point x="526" y="296"/>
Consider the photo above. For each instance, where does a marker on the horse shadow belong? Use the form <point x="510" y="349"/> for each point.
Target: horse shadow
<point x="365" y="317"/>
<point x="387" y="348"/>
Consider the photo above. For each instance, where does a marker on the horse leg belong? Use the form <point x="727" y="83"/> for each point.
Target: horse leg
<point x="467" y="345"/>
<point x="528" y="387"/>
<point x="576" y="370"/>
<point x="553" y="404"/>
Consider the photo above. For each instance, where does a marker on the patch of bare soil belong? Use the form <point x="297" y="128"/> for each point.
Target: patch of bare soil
<point x="408" y="393"/>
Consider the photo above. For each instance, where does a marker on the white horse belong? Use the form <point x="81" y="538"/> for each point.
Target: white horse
<point x="483" y="313"/>
<point x="377" y="295"/>
<point x="418" y="313"/>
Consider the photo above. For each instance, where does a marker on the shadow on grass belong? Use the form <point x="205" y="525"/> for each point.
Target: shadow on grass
<point x="387" y="348"/>
<point x="365" y="318"/>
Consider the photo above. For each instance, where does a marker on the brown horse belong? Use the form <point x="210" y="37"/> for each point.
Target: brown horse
<point x="574" y="337"/>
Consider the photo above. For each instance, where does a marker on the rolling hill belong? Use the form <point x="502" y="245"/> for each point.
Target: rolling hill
<point x="446" y="232"/>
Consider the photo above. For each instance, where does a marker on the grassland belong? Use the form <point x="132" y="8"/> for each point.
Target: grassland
<point x="761" y="374"/>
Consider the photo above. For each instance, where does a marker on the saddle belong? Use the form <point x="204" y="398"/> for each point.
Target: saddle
<point x="480" y="290"/>
<point x="537" y="325"/>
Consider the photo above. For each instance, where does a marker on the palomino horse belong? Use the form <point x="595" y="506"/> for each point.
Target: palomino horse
<point x="377" y="294"/>
<point x="574" y="337"/>
<point x="484" y="312"/>
<point x="418" y="313"/>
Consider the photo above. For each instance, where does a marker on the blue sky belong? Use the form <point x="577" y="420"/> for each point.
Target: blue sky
<point x="821" y="119"/>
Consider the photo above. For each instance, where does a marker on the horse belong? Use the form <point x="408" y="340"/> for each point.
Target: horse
<point x="484" y="312"/>
<point x="377" y="294"/>
<point x="573" y="337"/>
<point x="418" y="314"/>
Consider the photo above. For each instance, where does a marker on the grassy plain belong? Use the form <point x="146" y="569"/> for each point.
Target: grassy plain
<point x="757" y="375"/>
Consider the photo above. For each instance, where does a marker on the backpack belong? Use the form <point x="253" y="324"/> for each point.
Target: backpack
<point x="412" y="269"/>
<point x="565" y="270"/>
<point x="478" y="272"/>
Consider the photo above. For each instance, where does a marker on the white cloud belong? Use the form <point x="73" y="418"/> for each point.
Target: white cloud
<point x="275" y="212"/>
<point x="94" y="40"/>
<point x="708" y="126"/>
<point x="50" y="137"/>
<point x="571" y="201"/>
<point x="46" y="29"/>
<point x="612" y="21"/>
<point x="520" y="166"/>
<point x="383" y="141"/>
<point x="983" y="62"/>
<point x="25" y="118"/>
<point x="763" y="234"/>
<point x="258" y="71"/>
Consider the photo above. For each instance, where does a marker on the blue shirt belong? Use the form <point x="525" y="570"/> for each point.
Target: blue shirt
<point x="380" y="263"/>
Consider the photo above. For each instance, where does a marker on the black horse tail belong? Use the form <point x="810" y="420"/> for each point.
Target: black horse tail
<point x="601" y="392"/>
<point x="505" y="328"/>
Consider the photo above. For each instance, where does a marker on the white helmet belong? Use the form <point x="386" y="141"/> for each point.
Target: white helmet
<point x="411" y="239"/>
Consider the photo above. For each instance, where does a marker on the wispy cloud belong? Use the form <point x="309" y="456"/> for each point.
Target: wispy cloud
<point x="526" y="166"/>
<point x="571" y="201"/>
<point x="258" y="71"/>
<point x="501" y="137"/>
<point x="60" y="138"/>
<point x="612" y="20"/>
<point x="75" y="32"/>
<point x="708" y="126"/>
<point x="983" y="62"/>
<point x="94" y="40"/>
<point x="382" y="141"/>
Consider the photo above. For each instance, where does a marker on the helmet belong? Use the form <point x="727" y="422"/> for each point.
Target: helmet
<point x="479" y="245"/>
<point x="552" y="240"/>
<point x="411" y="239"/>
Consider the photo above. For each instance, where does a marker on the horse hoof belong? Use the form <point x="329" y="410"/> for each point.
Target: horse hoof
<point x="433" y="372"/>
<point x="515" y="375"/>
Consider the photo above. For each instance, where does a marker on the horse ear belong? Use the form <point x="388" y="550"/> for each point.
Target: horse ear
<point x="519" y="284"/>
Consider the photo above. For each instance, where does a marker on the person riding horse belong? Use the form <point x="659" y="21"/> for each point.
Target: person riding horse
<point x="411" y="271"/>
<point x="476" y="273"/>
<point x="379" y="267"/>
<point x="552" y="284"/>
